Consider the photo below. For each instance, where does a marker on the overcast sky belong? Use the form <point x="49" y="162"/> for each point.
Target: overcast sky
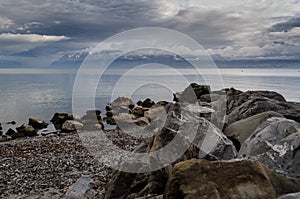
<point x="41" y="31"/>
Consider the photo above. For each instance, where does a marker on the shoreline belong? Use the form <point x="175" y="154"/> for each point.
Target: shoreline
<point x="32" y="165"/>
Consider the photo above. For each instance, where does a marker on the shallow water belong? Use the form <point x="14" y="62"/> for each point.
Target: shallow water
<point x="42" y="92"/>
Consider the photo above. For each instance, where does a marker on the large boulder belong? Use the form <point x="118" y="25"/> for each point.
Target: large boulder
<point x="227" y="180"/>
<point x="243" y="129"/>
<point x="192" y="93"/>
<point x="258" y="105"/>
<point x="236" y="98"/>
<point x="37" y="124"/>
<point x="275" y="143"/>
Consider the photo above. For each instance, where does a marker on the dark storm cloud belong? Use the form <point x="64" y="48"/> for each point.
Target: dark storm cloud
<point x="226" y="28"/>
<point x="287" y="25"/>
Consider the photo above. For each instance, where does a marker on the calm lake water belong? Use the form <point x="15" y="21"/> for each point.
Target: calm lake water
<point x="40" y="93"/>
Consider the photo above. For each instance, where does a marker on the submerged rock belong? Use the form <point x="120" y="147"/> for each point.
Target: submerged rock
<point x="275" y="143"/>
<point x="226" y="179"/>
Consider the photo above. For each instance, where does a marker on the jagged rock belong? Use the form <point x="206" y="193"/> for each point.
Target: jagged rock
<point x="255" y="106"/>
<point x="209" y="98"/>
<point x="71" y="126"/>
<point x="122" y="102"/>
<point x="275" y="143"/>
<point x="236" y="98"/>
<point x="37" y="124"/>
<point x="226" y="180"/>
<point x="148" y="103"/>
<point x="83" y="188"/>
<point x="26" y="130"/>
<point x="59" y="119"/>
<point x="290" y="196"/>
<point x="243" y="129"/>
<point x="192" y="93"/>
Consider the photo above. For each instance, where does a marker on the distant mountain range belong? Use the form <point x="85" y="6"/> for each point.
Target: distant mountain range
<point x="75" y="60"/>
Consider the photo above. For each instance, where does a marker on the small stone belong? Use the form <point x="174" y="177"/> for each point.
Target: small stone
<point x="81" y="189"/>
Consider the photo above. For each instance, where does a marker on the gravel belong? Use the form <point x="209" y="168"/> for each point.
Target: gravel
<point x="35" y="167"/>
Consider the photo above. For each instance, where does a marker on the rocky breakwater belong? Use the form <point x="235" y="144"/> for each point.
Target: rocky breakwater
<point x="220" y="144"/>
<point x="229" y="144"/>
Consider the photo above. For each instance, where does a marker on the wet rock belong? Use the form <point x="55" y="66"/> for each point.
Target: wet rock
<point x="290" y="196"/>
<point x="275" y="143"/>
<point x="71" y="126"/>
<point x="148" y="103"/>
<point x="222" y="179"/>
<point x="26" y="130"/>
<point x="243" y="129"/>
<point x="37" y="124"/>
<point x="83" y="188"/>
<point x="59" y="119"/>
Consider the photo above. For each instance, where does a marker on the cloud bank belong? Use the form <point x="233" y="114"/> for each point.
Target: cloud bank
<point x="231" y="29"/>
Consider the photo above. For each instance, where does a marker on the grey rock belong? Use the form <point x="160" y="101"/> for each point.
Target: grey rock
<point x="192" y="93"/>
<point x="71" y="126"/>
<point x="255" y="106"/>
<point x="275" y="143"/>
<point x="83" y="188"/>
<point x="290" y="196"/>
<point x="243" y="129"/>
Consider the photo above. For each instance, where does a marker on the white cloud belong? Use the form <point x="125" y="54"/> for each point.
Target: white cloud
<point x="13" y="43"/>
<point x="5" y="23"/>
